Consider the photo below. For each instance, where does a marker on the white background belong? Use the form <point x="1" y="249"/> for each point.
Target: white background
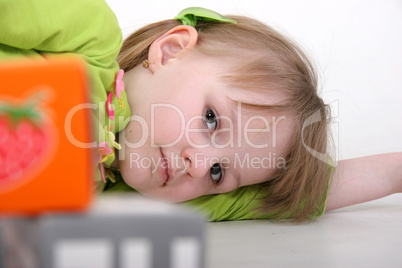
<point x="357" y="46"/>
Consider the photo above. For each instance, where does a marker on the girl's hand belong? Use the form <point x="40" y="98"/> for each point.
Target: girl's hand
<point x="364" y="179"/>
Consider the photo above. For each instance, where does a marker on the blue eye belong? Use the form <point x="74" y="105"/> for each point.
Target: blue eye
<point x="216" y="173"/>
<point x="211" y="119"/>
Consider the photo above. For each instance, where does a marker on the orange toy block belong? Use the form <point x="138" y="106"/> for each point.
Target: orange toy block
<point x="43" y="122"/>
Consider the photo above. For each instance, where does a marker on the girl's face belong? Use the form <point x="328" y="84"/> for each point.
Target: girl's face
<point x="188" y="137"/>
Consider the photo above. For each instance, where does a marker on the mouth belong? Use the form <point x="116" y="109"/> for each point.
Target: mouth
<point x="164" y="170"/>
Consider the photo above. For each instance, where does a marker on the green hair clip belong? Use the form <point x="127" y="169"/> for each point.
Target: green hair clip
<point x="191" y="15"/>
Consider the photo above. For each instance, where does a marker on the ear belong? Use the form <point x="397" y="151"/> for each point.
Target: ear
<point x="170" y="45"/>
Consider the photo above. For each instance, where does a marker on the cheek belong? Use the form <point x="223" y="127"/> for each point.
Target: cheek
<point x="131" y="175"/>
<point x="136" y="134"/>
<point x="167" y="124"/>
<point x="133" y="167"/>
<point x="136" y="176"/>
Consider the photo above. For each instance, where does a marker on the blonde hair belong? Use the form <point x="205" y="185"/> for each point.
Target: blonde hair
<point x="273" y="62"/>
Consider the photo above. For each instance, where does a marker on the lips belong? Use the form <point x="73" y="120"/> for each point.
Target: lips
<point x="164" y="168"/>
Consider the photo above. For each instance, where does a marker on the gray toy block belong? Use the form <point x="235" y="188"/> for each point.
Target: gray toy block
<point x="119" y="231"/>
<point x="1" y="250"/>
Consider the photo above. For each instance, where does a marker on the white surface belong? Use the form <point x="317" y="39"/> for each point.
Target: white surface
<point x="136" y="253"/>
<point x="356" y="45"/>
<point x="185" y="252"/>
<point x="74" y="253"/>
<point x="131" y="203"/>
<point x="365" y="235"/>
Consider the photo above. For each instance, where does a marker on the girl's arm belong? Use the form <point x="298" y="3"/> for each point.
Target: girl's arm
<point x="85" y="27"/>
<point x="364" y="179"/>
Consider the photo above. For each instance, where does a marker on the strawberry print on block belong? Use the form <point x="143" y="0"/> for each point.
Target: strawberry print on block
<point x="26" y="139"/>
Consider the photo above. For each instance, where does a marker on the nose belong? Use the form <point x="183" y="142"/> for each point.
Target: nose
<point x="199" y="162"/>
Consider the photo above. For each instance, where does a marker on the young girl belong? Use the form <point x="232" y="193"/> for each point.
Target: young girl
<point x="218" y="73"/>
<point x="220" y="111"/>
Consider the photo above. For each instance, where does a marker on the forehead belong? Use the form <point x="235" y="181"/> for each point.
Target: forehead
<point x="246" y="109"/>
<point x="263" y="132"/>
<point x="259" y="125"/>
<point x="259" y="146"/>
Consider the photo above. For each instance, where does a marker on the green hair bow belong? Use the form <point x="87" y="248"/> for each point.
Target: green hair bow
<point x="191" y="15"/>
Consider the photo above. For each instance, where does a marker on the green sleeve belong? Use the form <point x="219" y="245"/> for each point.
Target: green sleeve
<point x="87" y="28"/>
